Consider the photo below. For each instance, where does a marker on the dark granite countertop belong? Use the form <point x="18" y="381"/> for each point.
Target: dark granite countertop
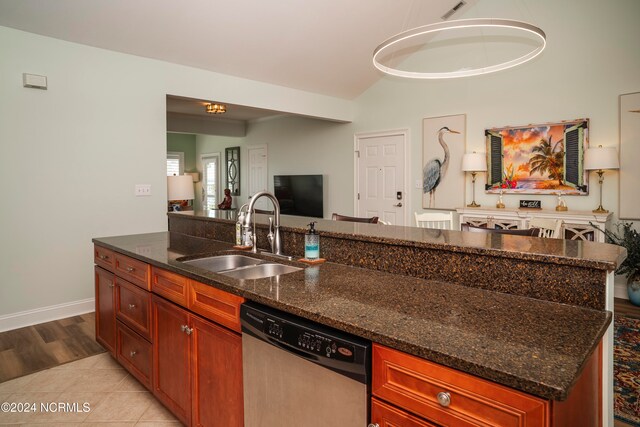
<point x="535" y="346"/>
<point x="580" y="253"/>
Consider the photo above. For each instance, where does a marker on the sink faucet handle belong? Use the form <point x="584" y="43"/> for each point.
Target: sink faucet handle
<point x="271" y="236"/>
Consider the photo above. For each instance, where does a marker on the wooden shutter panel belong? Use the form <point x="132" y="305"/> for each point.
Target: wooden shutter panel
<point x="495" y="148"/>
<point x="573" y="149"/>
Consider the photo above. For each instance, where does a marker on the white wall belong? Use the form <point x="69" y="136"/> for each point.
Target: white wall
<point x="72" y="154"/>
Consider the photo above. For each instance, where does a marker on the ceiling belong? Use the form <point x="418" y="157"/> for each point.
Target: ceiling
<point x="316" y="46"/>
<point x="197" y="107"/>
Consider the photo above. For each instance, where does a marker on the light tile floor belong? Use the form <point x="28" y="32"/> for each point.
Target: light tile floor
<point x="94" y="391"/>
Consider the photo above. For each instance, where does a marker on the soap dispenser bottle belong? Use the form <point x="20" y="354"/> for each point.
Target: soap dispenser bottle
<point x="312" y="243"/>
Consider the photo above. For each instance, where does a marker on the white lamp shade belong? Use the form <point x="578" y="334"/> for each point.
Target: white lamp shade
<point x="180" y="187"/>
<point x="194" y="175"/>
<point x="601" y="158"/>
<point x="474" y="162"/>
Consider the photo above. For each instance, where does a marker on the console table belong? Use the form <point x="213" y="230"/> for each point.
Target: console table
<point x="575" y="224"/>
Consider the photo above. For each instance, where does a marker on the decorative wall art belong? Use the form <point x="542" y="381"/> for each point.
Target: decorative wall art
<point x="538" y="159"/>
<point x="443" y="145"/>
<point x="232" y="160"/>
<point x="629" y="155"/>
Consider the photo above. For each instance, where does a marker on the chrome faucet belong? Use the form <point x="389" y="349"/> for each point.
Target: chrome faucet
<point x="274" y="225"/>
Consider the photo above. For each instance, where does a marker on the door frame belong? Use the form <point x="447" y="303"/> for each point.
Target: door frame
<point x="406" y="135"/>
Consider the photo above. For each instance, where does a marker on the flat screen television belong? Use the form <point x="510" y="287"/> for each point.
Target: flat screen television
<point x="299" y="194"/>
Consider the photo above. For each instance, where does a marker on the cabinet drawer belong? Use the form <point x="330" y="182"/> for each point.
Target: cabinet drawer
<point x="170" y="285"/>
<point x="133" y="307"/>
<point x="384" y="415"/>
<point x="103" y="257"/>
<point x="135" y="354"/>
<point x="413" y="384"/>
<point x="136" y="272"/>
<point x="216" y="305"/>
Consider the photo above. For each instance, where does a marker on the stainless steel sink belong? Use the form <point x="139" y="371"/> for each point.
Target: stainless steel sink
<point x="241" y="266"/>
<point x="223" y="262"/>
<point x="260" y="271"/>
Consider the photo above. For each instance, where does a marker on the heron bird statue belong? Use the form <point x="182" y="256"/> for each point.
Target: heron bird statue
<point x="434" y="170"/>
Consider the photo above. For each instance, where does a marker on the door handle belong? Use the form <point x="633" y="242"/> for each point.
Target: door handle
<point x="399" y="205"/>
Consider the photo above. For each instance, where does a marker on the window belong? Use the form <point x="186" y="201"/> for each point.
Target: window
<point x="210" y="180"/>
<point x="175" y="163"/>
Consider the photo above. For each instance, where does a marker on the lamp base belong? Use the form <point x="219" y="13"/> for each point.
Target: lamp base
<point x="600" y="210"/>
<point x="473" y="205"/>
<point x="500" y="205"/>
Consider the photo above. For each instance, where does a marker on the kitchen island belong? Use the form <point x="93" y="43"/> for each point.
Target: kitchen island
<point x="489" y="328"/>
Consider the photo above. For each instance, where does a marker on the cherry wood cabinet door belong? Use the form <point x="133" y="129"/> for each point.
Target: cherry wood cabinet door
<point x="105" y="309"/>
<point x="216" y="375"/>
<point x="171" y="358"/>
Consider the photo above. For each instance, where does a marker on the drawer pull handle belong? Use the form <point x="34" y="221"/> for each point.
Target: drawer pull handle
<point x="132" y="306"/>
<point x="129" y="269"/>
<point x="133" y="353"/>
<point x="103" y="257"/>
<point x="186" y="329"/>
<point x="444" y="398"/>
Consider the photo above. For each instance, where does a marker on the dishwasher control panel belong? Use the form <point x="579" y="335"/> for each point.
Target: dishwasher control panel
<point x="307" y="340"/>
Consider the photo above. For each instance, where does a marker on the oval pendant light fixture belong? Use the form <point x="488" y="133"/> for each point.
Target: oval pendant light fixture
<point x="451" y="27"/>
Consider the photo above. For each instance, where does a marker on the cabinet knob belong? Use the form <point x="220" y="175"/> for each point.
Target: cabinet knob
<point x="186" y="329"/>
<point x="132" y="306"/>
<point x="374" y="425"/>
<point x="129" y="269"/>
<point x="133" y="353"/>
<point x="103" y="257"/>
<point x="111" y="285"/>
<point x="444" y="398"/>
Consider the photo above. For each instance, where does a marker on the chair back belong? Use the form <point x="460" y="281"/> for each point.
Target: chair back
<point x="338" y="217"/>
<point x="439" y="220"/>
<point x="533" y="232"/>
<point x="549" y="228"/>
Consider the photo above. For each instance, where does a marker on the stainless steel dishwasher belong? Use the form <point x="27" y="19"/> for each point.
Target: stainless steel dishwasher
<point x="298" y="373"/>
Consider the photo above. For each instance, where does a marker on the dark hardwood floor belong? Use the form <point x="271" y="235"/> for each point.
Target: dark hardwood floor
<point x="625" y="308"/>
<point x="34" y="348"/>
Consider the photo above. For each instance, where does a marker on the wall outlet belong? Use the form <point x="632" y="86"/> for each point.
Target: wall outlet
<point x="142" y="190"/>
<point x="418" y="183"/>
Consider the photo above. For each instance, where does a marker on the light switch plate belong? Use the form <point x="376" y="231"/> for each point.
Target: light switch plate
<point x="34" y="81"/>
<point x="418" y="183"/>
<point x="142" y="190"/>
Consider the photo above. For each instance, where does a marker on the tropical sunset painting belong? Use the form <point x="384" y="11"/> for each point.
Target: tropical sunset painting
<point x="538" y="159"/>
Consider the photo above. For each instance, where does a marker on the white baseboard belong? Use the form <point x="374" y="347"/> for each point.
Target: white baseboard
<point x="46" y="314"/>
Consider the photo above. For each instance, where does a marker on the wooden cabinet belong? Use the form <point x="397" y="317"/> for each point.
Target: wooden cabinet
<point x="448" y="397"/>
<point x="171" y="358"/>
<point x="105" y="309"/>
<point x="134" y="353"/>
<point x="219" y="306"/>
<point x="133" y="307"/>
<point x="576" y="225"/>
<point x="133" y="270"/>
<point x="216" y="375"/>
<point x="409" y="391"/>
<point x="197" y="367"/>
<point x="170" y="285"/>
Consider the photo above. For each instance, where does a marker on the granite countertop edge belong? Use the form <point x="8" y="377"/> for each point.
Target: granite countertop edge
<point x="556" y="389"/>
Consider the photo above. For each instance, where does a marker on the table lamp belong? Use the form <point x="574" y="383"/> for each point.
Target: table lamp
<point x="601" y="159"/>
<point x="474" y="163"/>
<point x="179" y="187"/>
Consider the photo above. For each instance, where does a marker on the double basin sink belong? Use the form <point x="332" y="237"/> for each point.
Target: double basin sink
<point x="241" y="266"/>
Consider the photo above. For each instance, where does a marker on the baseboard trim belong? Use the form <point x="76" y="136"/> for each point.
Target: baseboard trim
<point x="46" y="314"/>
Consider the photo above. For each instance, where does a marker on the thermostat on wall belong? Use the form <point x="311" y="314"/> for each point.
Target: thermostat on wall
<point x="34" y="81"/>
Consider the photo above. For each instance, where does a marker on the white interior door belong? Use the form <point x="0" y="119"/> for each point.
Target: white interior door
<point x="210" y="180"/>
<point x="380" y="180"/>
<point x="257" y="155"/>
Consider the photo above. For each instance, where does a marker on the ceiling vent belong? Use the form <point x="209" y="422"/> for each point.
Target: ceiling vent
<point x="453" y="10"/>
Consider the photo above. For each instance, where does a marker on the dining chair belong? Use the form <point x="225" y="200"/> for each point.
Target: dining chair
<point x="439" y="220"/>
<point x="338" y="217"/>
<point x="549" y="228"/>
